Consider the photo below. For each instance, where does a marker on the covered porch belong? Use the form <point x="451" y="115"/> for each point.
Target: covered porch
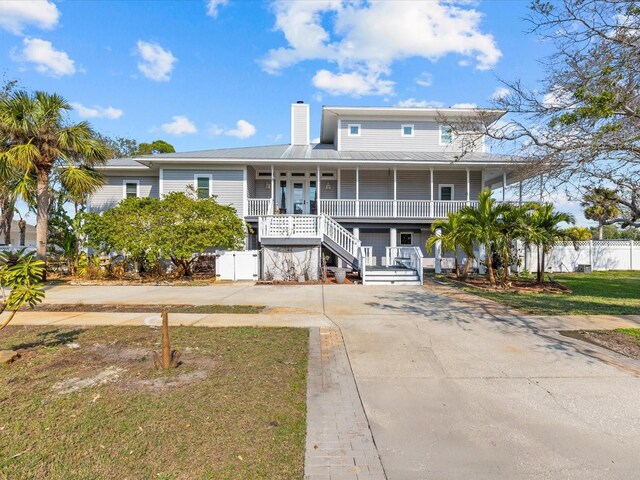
<point x="353" y="193"/>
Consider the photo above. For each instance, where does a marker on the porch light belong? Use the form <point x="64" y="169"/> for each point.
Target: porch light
<point x="267" y="185"/>
<point x="327" y="186"/>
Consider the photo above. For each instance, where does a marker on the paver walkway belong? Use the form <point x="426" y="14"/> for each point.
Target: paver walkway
<point x="339" y="443"/>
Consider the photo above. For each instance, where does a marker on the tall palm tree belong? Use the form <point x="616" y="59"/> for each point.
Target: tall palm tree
<point x="512" y="226"/>
<point x="453" y="234"/>
<point x="545" y="231"/>
<point x="601" y="204"/>
<point x="39" y="140"/>
<point x="484" y="223"/>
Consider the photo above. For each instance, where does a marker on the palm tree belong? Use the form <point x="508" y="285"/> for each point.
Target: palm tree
<point x="453" y="233"/>
<point x="544" y="230"/>
<point x="512" y="225"/>
<point x="40" y="140"/>
<point x="484" y="224"/>
<point x="601" y="204"/>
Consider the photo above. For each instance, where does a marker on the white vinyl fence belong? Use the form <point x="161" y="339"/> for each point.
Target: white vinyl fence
<point x="238" y="265"/>
<point x="596" y="254"/>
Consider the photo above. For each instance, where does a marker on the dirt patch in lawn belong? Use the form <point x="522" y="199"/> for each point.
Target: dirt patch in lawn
<point x="87" y="403"/>
<point x="513" y="285"/>
<point x="115" y="308"/>
<point x="617" y="340"/>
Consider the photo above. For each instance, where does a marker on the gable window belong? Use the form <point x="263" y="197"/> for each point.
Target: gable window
<point x="407" y="130"/>
<point x="354" y="129"/>
<point x="446" y="192"/>
<point x="406" y="238"/>
<point x="203" y="188"/>
<point x="131" y="188"/>
<point x="446" y="135"/>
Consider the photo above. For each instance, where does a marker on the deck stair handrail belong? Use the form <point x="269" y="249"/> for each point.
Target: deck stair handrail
<point x="405" y="256"/>
<point x="340" y="235"/>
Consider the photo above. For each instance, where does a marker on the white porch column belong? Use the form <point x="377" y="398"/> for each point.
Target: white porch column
<point x="393" y="237"/>
<point x="504" y="185"/>
<point x="438" y="252"/>
<point x="356" y="232"/>
<point x="357" y="191"/>
<point x="541" y="186"/>
<point x="273" y="190"/>
<point x="468" y="186"/>
<point x="482" y="259"/>
<point x="395" y="192"/>
<point x="520" y="192"/>
<point x="318" y="190"/>
<point x="431" y="203"/>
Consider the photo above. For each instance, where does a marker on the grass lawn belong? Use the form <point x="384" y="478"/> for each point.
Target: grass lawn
<point x="235" y="408"/>
<point x="604" y="293"/>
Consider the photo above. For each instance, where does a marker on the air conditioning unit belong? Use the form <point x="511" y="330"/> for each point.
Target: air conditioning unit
<point x="584" y="268"/>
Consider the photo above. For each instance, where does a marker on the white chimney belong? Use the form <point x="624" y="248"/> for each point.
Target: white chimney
<point x="299" y="123"/>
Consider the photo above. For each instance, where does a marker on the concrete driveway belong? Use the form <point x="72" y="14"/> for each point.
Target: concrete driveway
<point x="457" y="389"/>
<point x="454" y="392"/>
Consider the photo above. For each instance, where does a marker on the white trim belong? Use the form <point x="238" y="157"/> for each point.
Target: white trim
<point x="504" y="185"/>
<point x="468" y="185"/>
<point x="403" y="126"/>
<point x="440" y="135"/>
<point x="203" y="175"/>
<point x="124" y="187"/>
<point x="339" y="193"/>
<point x="431" y="183"/>
<point x="245" y="194"/>
<point x="453" y="192"/>
<point x="349" y="125"/>
<point x="339" y="135"/>
<point x="161" y="183"/>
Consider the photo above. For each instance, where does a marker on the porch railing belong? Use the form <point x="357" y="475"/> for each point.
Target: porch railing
<point x="259" y="206"/>
<point x="350" y="208"/>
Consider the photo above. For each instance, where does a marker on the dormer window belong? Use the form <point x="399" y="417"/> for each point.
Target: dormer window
<point x="354" y="129"/>
<point x="446" y="135"/>
<point x="407" y="130"/>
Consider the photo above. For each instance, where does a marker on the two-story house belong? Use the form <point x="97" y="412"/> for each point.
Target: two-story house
<point x="366" y="194"/>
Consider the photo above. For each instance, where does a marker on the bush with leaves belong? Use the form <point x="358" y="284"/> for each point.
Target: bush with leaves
<point x="177" y="227"/>
<point x="21" y="273"/>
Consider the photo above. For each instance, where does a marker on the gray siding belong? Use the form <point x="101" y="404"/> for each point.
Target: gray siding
<point x="261" y="188"/>
<point x="411" y="184"/>
<point x="379" y="240"/>
<point x="386" y="135"/>
<point x="459" y="181"/>
<point x="330" y="194"/>
<point x="251" y="182"/>
<point x="227" y="185"/>
<point x="112" y="191"/>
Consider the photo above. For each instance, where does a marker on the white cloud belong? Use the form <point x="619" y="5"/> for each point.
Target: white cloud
<point x="354" y="83"/>
<point x="364" y="39"/>
<point x="155" y="63"/>
<point x="425" y="79"/>
<point x="243" y="129"/>
<point x="214" y="5"/>
<point x="179" y="126"/>
<point x="15" y="15"/>
<point x="412" y="102"/>
<point x="500" y="93"/>
<point x="45" y="58"/>
<point x="96" y="111"/>
<point x="557" y="97"/>
<point x="464" y="105"/>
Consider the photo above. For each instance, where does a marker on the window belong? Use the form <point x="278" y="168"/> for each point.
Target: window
<point x="446" y="135"/>
<point x="407" y="130"/>
<point x="446" y="192"/>
<point x="203" y="186"/>
<point x="354" y="130"/>
<point x="131" y="188"/>
<point x="406" y="238"/>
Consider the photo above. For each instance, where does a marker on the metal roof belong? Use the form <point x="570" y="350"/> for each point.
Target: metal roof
<point x="317" y="151"/>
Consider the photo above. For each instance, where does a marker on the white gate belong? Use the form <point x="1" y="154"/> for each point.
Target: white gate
<point x="238" y="265"/>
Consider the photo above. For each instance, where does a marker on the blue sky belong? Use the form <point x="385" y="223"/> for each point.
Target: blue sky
<point x="222" y="73"/>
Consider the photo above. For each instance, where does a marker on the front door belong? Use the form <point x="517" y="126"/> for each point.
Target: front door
<point x="304" y="197"/>
<point x="298" y="198"/>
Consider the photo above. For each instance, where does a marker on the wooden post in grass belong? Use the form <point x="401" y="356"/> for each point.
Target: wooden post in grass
<point x="166" y="344"/>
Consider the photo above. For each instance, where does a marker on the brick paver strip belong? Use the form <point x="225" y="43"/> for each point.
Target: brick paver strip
<point x="339" y="441"/>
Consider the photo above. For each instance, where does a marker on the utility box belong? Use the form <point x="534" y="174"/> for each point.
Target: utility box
<point x="584" y="268"/>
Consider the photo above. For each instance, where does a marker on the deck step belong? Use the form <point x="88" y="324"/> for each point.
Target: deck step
<point x="391" y="276"/>
<point x="393" y="282"/>
<point x="400" y="272"/>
